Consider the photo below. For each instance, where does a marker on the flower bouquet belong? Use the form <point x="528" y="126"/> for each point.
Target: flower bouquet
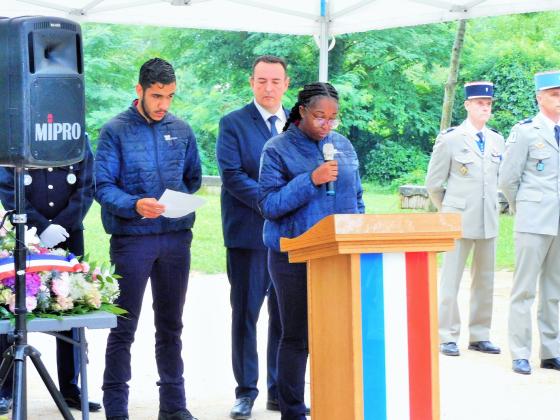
<point x="56" y="282"/>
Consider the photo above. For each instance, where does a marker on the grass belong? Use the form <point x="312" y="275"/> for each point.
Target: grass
<point x="208" y="253"/>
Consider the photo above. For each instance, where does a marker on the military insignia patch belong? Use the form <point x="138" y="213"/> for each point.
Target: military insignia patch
<point x="512" y="137"/>
<point x="464" y="170"/>
<point x="539" y="145"/>
<point x="448" y="130"/>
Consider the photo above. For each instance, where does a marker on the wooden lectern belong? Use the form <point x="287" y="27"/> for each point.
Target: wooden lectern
<point x="373" y="336"/>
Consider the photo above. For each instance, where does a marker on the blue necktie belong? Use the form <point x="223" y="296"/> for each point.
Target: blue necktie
<point x="272" y="120"/>
<point x="480" y="141"/>
<point x="557" y="134"/>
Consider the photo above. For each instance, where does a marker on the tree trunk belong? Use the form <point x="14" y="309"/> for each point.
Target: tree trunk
<point x="449" y="96"/>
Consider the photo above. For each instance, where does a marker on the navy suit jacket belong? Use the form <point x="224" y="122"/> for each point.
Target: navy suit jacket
<point x="241" y="138"/>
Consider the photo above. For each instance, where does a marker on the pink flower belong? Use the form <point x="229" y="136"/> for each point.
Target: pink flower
<point x="61" y="285"/>
<point x="30" y="303"/>
<point x="63" y="303"/>
<point x="96" y="272"/>
<point x="85" y="267"/>
<point x="4" y="253"/>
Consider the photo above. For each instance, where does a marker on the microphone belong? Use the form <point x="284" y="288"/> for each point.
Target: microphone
<point x="328" y="154"/>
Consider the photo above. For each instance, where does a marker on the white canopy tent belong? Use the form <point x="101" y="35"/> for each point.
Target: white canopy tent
<point x="321" y="18"/>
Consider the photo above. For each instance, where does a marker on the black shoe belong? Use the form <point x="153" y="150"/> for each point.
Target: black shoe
<point x="117" y="418"/>
<point x="521" y="366"/>
<point x="242" y="408"/>
<point x="177" y="415"/>
<point x="484" y="347"/>
<point x="272" y="405"/>
<point x="5" y="405"/>
<point x="76" y="402"/>
<point x="553" y="363"/>
<point x="449" y="349"/>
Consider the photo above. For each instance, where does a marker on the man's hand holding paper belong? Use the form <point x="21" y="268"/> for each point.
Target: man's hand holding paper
<point x="178" y="204"/>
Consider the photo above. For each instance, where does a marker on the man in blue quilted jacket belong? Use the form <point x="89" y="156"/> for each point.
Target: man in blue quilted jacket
<point x="142" y="152"/>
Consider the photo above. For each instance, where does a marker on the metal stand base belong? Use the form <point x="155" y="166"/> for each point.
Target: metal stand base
<point x="15" y="356"/>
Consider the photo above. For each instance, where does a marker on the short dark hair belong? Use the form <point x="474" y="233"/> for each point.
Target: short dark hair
<point x="156" y="70"/>
<point x="271" y="59"/>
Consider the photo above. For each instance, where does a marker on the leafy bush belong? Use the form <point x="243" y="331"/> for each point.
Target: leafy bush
<point x="391" y="161"/>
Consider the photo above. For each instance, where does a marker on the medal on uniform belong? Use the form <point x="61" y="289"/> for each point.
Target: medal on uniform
<point x="71" y="178"/>
<point x="540" y="166"/>
<point x="27" y="179"/>
<point x="464" y="170"/>
<point x="496" y="155"/>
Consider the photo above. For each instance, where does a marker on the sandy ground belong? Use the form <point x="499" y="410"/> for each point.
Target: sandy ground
<point x="473" y="386"/>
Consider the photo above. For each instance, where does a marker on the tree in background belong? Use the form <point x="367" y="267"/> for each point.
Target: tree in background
<point x="391" y="81"/>
<point x="508" y="51"/>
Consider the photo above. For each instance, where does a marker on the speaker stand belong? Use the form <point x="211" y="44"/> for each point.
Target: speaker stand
<point x="19" y="350"/>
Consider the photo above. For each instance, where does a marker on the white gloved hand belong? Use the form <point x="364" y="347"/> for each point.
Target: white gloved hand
<point x="53" y="235"/>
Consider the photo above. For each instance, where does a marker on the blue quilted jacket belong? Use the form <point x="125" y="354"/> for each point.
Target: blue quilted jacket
<point x="136" y="160"/>
<point x="288" y="199"/>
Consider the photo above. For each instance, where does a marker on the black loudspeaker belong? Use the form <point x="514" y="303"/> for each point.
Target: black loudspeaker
<point x="42" y="98"/>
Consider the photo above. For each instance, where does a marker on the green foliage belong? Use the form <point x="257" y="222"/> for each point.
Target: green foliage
<point x="508" y="51"/>
<point x="392" y="161"/>
<point x="390" y="81"/>
<point x="208" y="252"/>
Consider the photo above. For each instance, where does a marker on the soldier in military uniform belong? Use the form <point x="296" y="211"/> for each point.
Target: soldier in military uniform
<point x="57" y="200"/>
<point x="463" y="177"/>
<point x="529" y="179"/>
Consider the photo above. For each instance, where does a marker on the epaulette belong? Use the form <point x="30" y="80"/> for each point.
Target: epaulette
<point x="495" y="131"/>
<point x="526" y="121"/>
<point x="448" y="130"/>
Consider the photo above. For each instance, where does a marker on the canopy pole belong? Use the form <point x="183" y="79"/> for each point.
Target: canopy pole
<point x="324" y="43"/>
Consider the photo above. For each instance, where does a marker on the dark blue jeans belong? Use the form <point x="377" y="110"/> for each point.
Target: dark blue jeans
<point x="250" y="284"/>
<point x="290" y="282"/>
<point x="165" y="259"/>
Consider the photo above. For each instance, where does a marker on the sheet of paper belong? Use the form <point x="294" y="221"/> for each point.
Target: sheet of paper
<point x="179" y="204"/>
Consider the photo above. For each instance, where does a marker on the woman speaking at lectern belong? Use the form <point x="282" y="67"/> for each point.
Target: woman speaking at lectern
<point x="307" y="173"/>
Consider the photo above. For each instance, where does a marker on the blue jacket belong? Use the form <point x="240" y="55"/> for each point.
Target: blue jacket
<point x="137" y="160"/>
<point x="50" y="198"/>
<point x="289" y="200"/>
<point x="241" y="138"/>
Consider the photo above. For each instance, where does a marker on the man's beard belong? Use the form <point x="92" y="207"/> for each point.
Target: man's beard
<point x="146" y="114"/>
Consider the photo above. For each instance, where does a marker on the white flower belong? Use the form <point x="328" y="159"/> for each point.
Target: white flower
<point x="110" y="291"/>
<point x="79" y="286"/>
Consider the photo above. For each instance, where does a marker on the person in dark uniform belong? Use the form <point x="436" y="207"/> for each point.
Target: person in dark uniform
<point x="57" y="200"/>
<point x="241" y="138"/>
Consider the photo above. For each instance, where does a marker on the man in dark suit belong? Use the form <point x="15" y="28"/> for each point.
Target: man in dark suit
<point x="241" y="138"/>
<point x="56" y="202"/>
